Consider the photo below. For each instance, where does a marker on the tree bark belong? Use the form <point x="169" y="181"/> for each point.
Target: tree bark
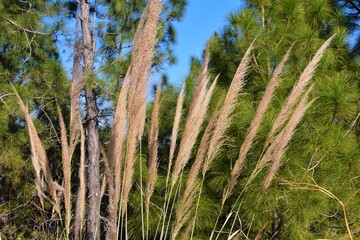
<point x="92" y="133"/>
<point x="93" y="165"/>
<point x="76" y="86"/>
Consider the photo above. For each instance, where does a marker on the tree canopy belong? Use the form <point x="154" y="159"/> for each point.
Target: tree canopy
<point x="261" y="142"/>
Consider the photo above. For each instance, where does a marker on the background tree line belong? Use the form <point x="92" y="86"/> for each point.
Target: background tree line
<point x="319" y="173"/>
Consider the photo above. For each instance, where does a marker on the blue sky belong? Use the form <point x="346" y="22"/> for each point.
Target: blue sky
<point x="202" y="18"/>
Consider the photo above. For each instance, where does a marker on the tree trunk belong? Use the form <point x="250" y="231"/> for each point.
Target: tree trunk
<point x="76" y="86"/>
<point x="93" y="166"/>
<point x="93" y="150"/>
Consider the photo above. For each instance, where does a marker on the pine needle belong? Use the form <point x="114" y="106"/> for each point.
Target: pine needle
<point x="298" y="89"/>
<point x="255" y="124"/>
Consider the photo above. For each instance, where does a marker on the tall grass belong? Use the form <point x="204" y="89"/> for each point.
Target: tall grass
<point x="128" y="129"/>
<point x="153" y="155"/>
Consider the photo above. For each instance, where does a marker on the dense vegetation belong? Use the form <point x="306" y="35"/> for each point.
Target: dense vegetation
<point x="261" y="142"/>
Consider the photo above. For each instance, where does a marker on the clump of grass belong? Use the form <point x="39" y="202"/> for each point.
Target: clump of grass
<point x="144" y="45"/>
<point x="40" y="161"/>
<point x="286" y="109"/>
<point x="255" y="124"/>
<point x="81" y="194"/>
<point x="284" y="138"/>
<point x="153" y="153"/>
<point x="297" y="91"/>
<point x="211" y="142"/>
<point x="128" y="128"/>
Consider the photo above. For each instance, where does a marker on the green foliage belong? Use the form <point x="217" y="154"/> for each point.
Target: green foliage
<point x="28" y="59"/>
<point x="323" y="151"/>
<point x="324" y="148"/>
<point x="116" y="43"/>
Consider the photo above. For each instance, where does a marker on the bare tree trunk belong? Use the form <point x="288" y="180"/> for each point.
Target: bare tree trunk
<point x="93" y="149"/>
<point x="93" y="166"/>
<point x="76" y="86"/>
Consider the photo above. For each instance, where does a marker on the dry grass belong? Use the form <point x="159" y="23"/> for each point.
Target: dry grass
<point x="115" y="157"/>
<point x="77" y="84"/>
<point x="39" y="158"/>
<point x="287" y="107"/>
<point x="128" y="128"/>
<point x="81" y="194"/>
<point x="186" y="201"/>
<point x="153" y="150"/>
<point x="194" y="120"/>
<point x="255" y="124"/>
<point x="193" y="124"/>
<point x="175" y="131"/>
<point x="141" y="63"/>
<point x="225" y="118"/>
<point x="66" y="161"/>
<point x="296" y="92"/>
<point x="211" y="141"/>
<point x="284" y="137"/>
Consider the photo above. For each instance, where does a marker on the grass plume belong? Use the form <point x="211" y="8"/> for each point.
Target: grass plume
<point x="175" y="130"/>
<point x="115" y="157"/>
<point x="255" y="124"/>
<point x="81" y="193"/>
<point x="284" y="137"/>
<point x="193" y="124"/>
<point x="297" y="90"/>
<point x="40" y="159"/>
<point x="139" y="73"/>
<point x="66" y="161"/>
<point x="153" y="151"/>
<point x="225" y="118"/>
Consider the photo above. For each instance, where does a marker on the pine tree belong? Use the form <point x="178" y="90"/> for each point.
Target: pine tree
<point x="170" y="169"/>
<point x="287" y="211"/>
<point x="29" y="60"/>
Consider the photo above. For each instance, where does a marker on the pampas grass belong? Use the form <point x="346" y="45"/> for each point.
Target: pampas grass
<point x="194" y="120"/>
<point x="255" y="124"/>
<point x="127" y="132"/>
<point x="185" y="205"/>
<point x="137" y="92"/>
<point x="287" y="107"/>
<point x="225" y="118"/>
<point x="153" y="153"/>
<point x="212" y="141"/>
<point x="77" y="84"/>
<point x="115" y="157"/>
<point x="298" y="89"/>
<point x="66" y="161"/>
<point x="277" y="147"/>
<point x="175" y="131"/>
<point x="81" y="194"/>
<point x="284" y="138"/>
<point x="40" y="161"/>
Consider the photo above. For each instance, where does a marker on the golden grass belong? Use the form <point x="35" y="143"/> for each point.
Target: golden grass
<point x="297" y="90"/>
<point x="194" y="120"/>
<point x="141" y="63"/>
<point x="128" y="128"/>
<point x="39" y="158"/>
<point x="81" y="194"/>
<point x="66" y="161"/>
<point x="153" y="149"/>
<point x="255" y="124"/>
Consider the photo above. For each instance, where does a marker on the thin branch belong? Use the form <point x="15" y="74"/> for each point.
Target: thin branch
<point x="24" y="29"/>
